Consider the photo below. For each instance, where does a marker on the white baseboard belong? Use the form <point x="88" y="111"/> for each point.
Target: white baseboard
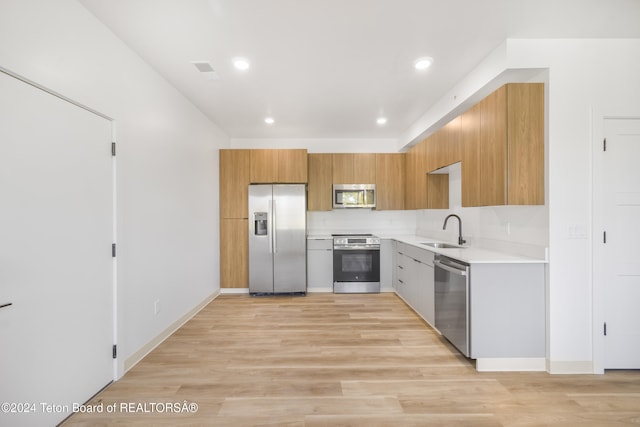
<point x="570" y="367"/>
<point x="511" y="364"/>
<point x="136" y="357"/>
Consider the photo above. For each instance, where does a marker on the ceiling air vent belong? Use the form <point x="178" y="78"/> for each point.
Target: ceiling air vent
<point x="206" y="70"/>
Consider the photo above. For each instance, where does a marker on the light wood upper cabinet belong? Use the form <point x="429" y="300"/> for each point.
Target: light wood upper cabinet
<point x="354" y="168"/>
<point x="320" y="191"/>
<point x="390" y="181"/>
<point x="511" y="147"/>
<point x="234" y="181"/>
<point x="525" y="118"/>
<point x="416" y="177"/>
<point x="364" y="165"/>
<point x="438" y="191"/>
<point x="470" y="142"/>
<point x="278" y="166"/>
<point x="493" y="149"/>
<point x="342" y="170"/>
<point x="292" y="166"/>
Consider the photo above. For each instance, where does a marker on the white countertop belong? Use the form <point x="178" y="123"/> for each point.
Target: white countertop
<point x="472" y="255"/>
<point x="469" y="254"/>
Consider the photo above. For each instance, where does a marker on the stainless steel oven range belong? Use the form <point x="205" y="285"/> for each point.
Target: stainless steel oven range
<point x="356" y="263"/>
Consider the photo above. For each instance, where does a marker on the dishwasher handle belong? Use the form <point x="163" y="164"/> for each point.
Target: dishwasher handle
<point x="449" y="268"/>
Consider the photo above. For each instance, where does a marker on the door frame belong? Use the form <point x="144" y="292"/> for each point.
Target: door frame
<point x="598" y="225"/>
<point x="118" y="362"/>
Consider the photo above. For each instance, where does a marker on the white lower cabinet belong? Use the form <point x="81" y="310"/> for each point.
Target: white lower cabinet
<point x="414" y="281"/>
<point x="320" y="264"/>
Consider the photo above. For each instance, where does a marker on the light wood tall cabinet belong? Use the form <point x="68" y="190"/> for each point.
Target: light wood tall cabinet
<point x="319" y="196"/>
<point x="390" y="183"/>
<point x="234" y="252"/>
<point x="278" y="166"/>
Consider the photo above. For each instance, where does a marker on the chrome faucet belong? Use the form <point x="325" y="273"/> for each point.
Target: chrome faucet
<point x="461" y="241"/>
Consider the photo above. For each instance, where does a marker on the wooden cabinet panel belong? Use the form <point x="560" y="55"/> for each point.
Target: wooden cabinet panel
<point x="264" y="166"/>
<point x="234" y="181"/>
<point x="416" y="177"/>
<point x="525" y="127"/>
<point x="470" y="141"/>
<point x="283" y="166"/>
<point x="503" y="148"/>
<point x="234" y="253"/>
<point x="292" y="166"/>
<point x="343" y="169"/>
<point x="320" y="182"/>
<point x="453" y="148"/>
<point x="364" y="166"/>
<point x="350" y="168"/>
<point x="438" y="191"/>
<point x="390" y="181"/>
<point x="493" y="148"/>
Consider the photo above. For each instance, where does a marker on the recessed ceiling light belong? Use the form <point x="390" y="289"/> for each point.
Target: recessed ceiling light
<point x="241" y="64"/>
<point x="422" y="63"/>
<point x="381" y="120"/>
<point x="269" y="120"/>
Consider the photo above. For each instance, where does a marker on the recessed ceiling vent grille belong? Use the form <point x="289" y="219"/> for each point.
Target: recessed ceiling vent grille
<point x="206" y="70"/>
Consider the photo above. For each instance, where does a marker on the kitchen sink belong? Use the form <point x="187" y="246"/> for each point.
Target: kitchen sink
<point x="441" y="245"/>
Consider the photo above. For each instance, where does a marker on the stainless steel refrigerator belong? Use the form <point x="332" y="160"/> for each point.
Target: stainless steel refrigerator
<point x="277" y="239"/>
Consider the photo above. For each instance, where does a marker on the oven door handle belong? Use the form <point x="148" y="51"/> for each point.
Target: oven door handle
<point x="450" y="269"/>
<point x="356" y="248"/>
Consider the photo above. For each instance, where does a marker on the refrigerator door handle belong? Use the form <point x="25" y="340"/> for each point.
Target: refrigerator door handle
<point x="274" y="238"/>
<point x="270" y="226"/>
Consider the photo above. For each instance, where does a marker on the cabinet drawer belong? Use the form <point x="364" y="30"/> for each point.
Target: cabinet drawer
<point x="423" y="255"/>
<point x="320" y="244"/>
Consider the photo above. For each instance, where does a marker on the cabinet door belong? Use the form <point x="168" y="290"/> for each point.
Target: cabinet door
<point x="435" y="149"/>
<point x="264" y="166"/>
<point x="470" y="141"/>
<point x="493" y="149"/>
<point x="234" y="181"/>
<point x="453" y="148"/>
<point x="390" y="181"/>
<point x="416" y="177"/>
<point x="320" y="182"/>
<point x="438" y="191"/>
<point x="525" y="124"/>
<point x="234" y="253"/>
<point x="292" y="166"/>
<point x="428" y="293"/>
<point x="342" y="170"/>
<point x="320" y="264"/>
<point x="364" y="167"/>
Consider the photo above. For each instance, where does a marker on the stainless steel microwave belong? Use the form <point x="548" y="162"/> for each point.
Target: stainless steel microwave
<point x="354" y="196"/>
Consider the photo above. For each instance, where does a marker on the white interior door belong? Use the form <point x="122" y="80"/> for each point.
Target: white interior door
<point x="621" y="263"/>
<point x="56" y="270"/>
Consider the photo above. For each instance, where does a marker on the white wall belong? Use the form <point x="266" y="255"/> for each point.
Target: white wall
<point x="167" y="167"/>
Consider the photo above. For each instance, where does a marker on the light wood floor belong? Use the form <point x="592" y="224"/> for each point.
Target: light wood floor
<point x="344" y="360"/>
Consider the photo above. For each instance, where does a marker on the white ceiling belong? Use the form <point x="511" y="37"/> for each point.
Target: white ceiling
<point x="329" y="68"/>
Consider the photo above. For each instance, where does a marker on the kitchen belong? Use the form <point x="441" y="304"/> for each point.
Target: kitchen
<point x="168" y="174"/>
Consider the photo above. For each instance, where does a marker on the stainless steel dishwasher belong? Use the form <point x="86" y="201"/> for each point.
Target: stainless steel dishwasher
<point x="452" y="301"/>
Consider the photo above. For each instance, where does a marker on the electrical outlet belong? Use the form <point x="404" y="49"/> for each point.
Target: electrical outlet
<point x="156" y="307"/>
